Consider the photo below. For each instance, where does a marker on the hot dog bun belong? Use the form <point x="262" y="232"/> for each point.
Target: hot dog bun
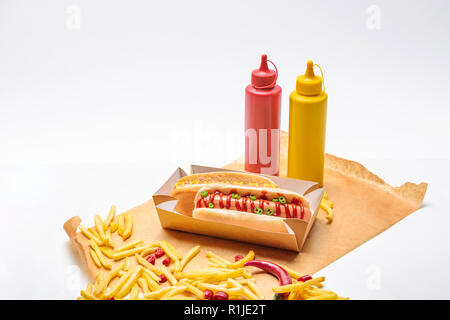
<point x="254" y="207"/>
<point x="187" y="187"/>
<point x="243" y="219"/>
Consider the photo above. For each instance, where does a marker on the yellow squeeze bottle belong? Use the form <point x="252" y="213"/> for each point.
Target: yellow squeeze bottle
<point x="307" y="127"/>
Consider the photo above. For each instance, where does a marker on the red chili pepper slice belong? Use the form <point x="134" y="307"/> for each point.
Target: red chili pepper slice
<point x="275" y="270"/>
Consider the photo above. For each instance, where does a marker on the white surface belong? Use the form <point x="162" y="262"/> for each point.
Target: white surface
<point x="98" y="108"/>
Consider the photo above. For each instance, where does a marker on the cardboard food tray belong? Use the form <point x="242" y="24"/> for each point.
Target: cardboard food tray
<point x="293" y="239"/>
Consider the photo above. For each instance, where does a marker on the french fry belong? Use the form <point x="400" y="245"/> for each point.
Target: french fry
<point x="109" y="241"/>
<point x="173" y="292"/>
<point x="168" y="250"/>
<point x="128" y="226"/>
<point x="256" y="290"/>
<point x="328" y="206"/>
<point x="122" y="254"/>
<point x="298" y="285"/>
<point x="88" y="234"/>
<point x="134" y="294"/>
<point x="329" y="211"/>
<point x="247" y="274"/>
<point x="107" y="252"/>
<point x="172" y="280"/>
<point x="182" y="297"/>
<point x="215" y="288"/>
<point x="110" y="217"/>
<point x="103" y="284"/>
<point x="147" y="265"/>
<point x="127" y="264"/>
<point x="100" y="228"/>
<point x="316" y="291"/>
<point x="98" y="280"/>
<point x="212" y="287"/>
<point x="213" y="265"/>
<point x="110" y="293"/>
<point x="294" y="274"/>
<point x="121" y="225"/>
<point x="105" y="263"/>
<point x="292" y="295"/>
<point x="195" y="291"/>
<point x="189" y="256"/>
<point x="332" y="296"/>
<point x="152" y="283"/>
<point x="95" y="233"/>
<point x="95" y="258"/>
<point x="90" y="288"/>
<point x="113" y="226"/>
<point x="224" y="261"/>
<point x="142" y="282"/>
<point x="174" y="250"/>
<point x="217" y="262"/>
<point x="239" y="264"/>
<point x="176" y="267"/>
<point x="129" y="246"/>
<point x="328" y="203"/>
<point x="211" y="275"/>
<point x="148" y="251"/>
<point x="135" y="274"/>
<point x="246" y="292"/>
<point x="156" y="294"/>
<point x="87" y="295"/>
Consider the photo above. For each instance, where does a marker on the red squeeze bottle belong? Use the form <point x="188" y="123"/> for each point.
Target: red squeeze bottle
<point x="262" y="121"/>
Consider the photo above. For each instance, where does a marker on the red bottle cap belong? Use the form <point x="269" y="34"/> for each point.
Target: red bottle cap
<point x="264" y="78"/>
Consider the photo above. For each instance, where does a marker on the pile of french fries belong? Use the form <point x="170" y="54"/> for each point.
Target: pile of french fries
<point x="327" y="205"/>
<point x="125" y="273"/>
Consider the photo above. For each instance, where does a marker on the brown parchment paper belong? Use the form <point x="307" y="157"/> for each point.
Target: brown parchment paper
<point x="364" y="206"/>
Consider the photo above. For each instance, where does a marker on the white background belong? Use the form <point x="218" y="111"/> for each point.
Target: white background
<point x="101" y="100"/>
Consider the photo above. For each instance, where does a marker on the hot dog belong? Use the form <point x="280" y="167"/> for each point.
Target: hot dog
<point x="250" y="206"/>
<point x="187" y="187"/>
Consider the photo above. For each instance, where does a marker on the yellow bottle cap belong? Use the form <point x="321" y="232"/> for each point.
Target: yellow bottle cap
<point x="309" y="84"/>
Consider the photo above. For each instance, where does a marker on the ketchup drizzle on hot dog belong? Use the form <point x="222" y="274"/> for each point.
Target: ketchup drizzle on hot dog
<point x="221" y="205"/>
<point x="277" y="209"/>
<point x="238" y="205"/>
<point x="294" y="211"/>
<point x="228" y="201"/>
<point x="302" y="210"/>
<point x="286" y="209"/>
<point x="242" y="204"/>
